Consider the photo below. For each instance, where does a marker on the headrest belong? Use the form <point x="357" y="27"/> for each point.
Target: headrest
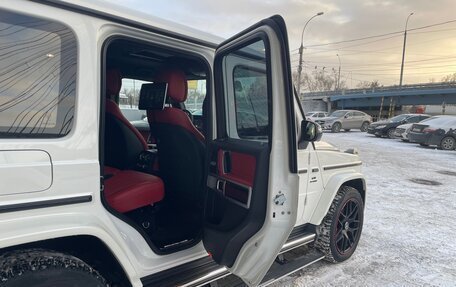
<point x="113" y="82"/>
<point x="177" y="84"/>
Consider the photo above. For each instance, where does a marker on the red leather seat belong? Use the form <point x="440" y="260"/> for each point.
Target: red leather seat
<point x="127" y="190"/>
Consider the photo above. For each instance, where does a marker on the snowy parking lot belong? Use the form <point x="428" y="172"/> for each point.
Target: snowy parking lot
<point x="409" y="234"/>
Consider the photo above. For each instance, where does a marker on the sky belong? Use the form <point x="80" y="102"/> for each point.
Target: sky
<point x="430" y="52"/>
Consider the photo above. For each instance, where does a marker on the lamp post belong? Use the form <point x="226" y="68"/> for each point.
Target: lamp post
<point x="338" y="77"/>
<point x="403" y="49"/>
<point x="301" y="48"/>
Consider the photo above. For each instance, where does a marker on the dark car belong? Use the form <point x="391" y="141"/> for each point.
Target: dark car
<point x="440" y="132"/>
<point x="387" y="128"/>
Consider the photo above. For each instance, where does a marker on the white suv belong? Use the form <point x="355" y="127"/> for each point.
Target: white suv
<point x="88" y="200"/>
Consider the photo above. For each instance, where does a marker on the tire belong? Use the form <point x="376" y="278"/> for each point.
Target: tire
<point x="425" y="145"/>
<point x="364" y="126"/>
<point x="448" y="143"/>
<point x="379" y="136"/>
<point x="40" y="268"/>
<point x="336" y="127"/>
<point x="338" y="240"/>
<point x="347" y="130"/>
<point x="390" y="133"/>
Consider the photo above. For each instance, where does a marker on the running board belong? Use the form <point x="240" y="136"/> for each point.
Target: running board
<point x="280" y="270"/>
<point x="205" y="270"/>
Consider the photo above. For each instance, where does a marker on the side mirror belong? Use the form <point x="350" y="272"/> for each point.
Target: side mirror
<point x="310" y="132"/>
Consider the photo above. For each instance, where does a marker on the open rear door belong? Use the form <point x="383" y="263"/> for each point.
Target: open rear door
<point x="252" y="182"/>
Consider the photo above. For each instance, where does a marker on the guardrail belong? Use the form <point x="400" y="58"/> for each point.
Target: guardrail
<point x="428" y="86"/>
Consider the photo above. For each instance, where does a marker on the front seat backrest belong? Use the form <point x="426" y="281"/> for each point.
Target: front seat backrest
<point x="180" y="144"/>
<point x="123" y="142"/>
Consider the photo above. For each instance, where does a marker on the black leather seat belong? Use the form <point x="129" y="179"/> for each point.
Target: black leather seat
<point x="180" y="145"/>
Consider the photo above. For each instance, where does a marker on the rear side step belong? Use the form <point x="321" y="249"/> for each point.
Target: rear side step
<point x="280" y="270"/>
<point x="205" y="270"/>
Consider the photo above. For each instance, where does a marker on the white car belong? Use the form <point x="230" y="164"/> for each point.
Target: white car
<point x="316" y="115"/>
<point x="86" y="201"/>
<point x="402" y="131"/>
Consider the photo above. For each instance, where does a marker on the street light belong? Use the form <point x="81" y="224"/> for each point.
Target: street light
<point x="301" y="48"/>
<point x="403" y="48"/>
<point x="338" y="78"/>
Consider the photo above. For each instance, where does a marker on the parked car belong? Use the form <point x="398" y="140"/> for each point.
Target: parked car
<point x="316" y="115"/>
<point x="387" y="127"/>
<point x="346" y="120"/>
<point x="402" y="131"/>
<point x="85" y="202"/>
<point x="440" y="132"/>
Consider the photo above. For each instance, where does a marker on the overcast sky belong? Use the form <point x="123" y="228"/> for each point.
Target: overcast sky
<point x="430" y="54"/>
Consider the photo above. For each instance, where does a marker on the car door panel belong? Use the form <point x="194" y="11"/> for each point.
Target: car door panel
<point x="252" y="182"/>
<point x="230" y="217"/>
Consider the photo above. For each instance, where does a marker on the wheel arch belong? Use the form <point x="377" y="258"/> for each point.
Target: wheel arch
<point x="88" y="248"/>
<point x="355" y="180"/>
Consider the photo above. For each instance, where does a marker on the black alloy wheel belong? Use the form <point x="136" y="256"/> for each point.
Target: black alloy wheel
<point x="339" y="232"/>
<point x="347" y="227"/>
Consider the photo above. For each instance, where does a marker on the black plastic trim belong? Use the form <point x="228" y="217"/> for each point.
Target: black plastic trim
<point x="123" y="21"/>
<point x="342" y="166"/>
<point x="45" y="203"/>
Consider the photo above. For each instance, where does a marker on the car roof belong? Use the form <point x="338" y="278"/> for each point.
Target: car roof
<point x="128" y="16"/>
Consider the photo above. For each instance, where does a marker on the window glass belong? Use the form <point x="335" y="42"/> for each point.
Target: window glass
<point x="37" y="77"/>
<point x="247" y="92"/>
<point x="414" y="119"/>
<point x="129" y="99"/>
<point x="195" y="96"/>
<point x="251" y="102"/>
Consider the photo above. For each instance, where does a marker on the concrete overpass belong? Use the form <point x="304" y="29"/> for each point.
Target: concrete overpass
<point x="393" y="97"/>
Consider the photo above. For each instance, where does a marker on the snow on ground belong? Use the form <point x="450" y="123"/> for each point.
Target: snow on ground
<point x="409" y="233"/>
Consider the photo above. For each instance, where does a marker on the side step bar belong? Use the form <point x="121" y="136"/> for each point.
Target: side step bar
<point x="280" y="270"/>
<point x="205" y="270"/>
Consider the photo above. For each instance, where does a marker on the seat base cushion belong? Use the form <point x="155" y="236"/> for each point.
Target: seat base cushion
<point x="127" y="190"/>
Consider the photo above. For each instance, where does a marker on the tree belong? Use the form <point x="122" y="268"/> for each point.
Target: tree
<point x="319" y="80"/>
<point x="451" y="78"/>
<point x="369" y="85"/>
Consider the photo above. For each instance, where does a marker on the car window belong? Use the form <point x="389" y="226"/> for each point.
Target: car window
<point x="251" y="100"/>
<point x="338" y="114"/>
<point x="38" y="77"/>
<point x="195" y="96"/>
<point x="359" y="114"/>
<point x="413" y="119"/>
<point x="247" y="92"/>
<point x="349" y="115"/>
<point x="129" y="99"/>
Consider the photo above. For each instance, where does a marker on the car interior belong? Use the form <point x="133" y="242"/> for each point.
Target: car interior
<point x="155" y="181"/>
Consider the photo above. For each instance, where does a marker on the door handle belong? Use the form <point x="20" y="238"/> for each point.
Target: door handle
<point x="220" y="185"/>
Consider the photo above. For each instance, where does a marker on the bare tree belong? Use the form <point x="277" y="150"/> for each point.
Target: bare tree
<point x="369" y="85"/>
<point x="319" y="80"/>
<point x="451" y="78"/>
